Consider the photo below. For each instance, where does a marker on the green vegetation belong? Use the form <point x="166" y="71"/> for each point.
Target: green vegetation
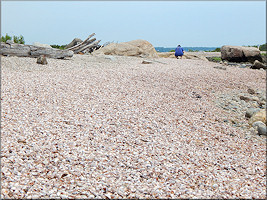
<point x="215" y="59"/>
<point x="172" y="50"/>
<point x="16" y="39"/>
<point x="6" y="38"/>
<point x="263" y="54"/>
<point x="58" y="46"/>
<point x="263" y="47"/>
<point x="216" y="50"/>
<point x="190" y="50"/>
<point x="19" y="40"/>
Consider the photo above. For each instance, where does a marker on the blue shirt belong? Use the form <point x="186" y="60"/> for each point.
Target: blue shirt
<point x="179" y="51"/>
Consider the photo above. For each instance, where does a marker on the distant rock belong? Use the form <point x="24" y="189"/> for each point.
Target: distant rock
<point x="138" y="48"/>
<point x="37" y="44"/>
<point x="240" y="54"/>
<point x="257" y="65"/>
<point x="74" y="42"/>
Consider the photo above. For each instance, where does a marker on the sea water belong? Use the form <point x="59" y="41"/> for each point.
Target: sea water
<point x="168" y="49"/>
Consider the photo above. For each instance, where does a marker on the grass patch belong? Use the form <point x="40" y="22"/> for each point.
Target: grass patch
<point x="62" y="47"/>
<point x="214" y="59"/>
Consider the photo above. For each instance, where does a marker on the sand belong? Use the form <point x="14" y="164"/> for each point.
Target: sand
<point x="111" y="127"/>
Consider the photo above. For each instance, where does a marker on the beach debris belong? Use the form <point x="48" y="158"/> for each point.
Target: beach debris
<point x="147" y="62"/>
<point x="22" y="50"/>
<point x="74" y="42"/>
<point x="240" y="54"/>
<point x="86" y="46"/>
<point x="42" y="60"/>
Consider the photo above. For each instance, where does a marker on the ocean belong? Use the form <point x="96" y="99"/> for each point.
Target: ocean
<point x="168" y="49"/>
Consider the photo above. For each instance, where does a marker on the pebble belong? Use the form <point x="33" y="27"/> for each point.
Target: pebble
<point x="251" y="111"/>
<point x="260" y="127"/>
<point x="133" y="131"/>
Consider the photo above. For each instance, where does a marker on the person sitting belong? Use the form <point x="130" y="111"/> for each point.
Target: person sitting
<point x="179" y="51"/>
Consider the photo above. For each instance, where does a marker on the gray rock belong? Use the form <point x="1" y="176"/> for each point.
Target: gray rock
<point x="263" y="58"/>
<point x="260" y="127"/>
<point x="258" y="65"/>
<point x="251" y="111"/>
<point x="220" y="67"/>
<point x="42" y="60"/>
<point x="245" y="98"/>
<point x="243" y="66"/>
<point x="240" y="54"/>
<point x="251" y="91"/>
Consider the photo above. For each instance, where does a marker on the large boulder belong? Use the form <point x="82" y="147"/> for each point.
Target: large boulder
<point x="240" y="54"/>
<point x="74" y="42"/>
<point x="139" y="48"/>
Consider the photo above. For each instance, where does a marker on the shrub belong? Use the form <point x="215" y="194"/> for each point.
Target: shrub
<point x="172" y="50"/>
<point x="58" y="46"/>
<point x="263" y="47"/>
<point x="21" y="40"/>
<point x="216" y="50"/>
<point x="16" y="39"/>
<point x="6" y="38"/>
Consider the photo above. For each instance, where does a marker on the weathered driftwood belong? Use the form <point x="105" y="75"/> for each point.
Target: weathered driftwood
<point x="15" y="50"/>
<point x="83" y="45"/>
<point x="22" y="50"/>
<point x="84" y="42"/>
<point x="87" y="46"/>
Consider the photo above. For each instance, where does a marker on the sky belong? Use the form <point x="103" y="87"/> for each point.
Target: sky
<point x="162" y="23"/>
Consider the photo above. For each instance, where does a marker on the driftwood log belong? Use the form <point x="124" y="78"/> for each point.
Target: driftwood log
<point x="87" y="46"/>
<point x="22" y="50"/>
